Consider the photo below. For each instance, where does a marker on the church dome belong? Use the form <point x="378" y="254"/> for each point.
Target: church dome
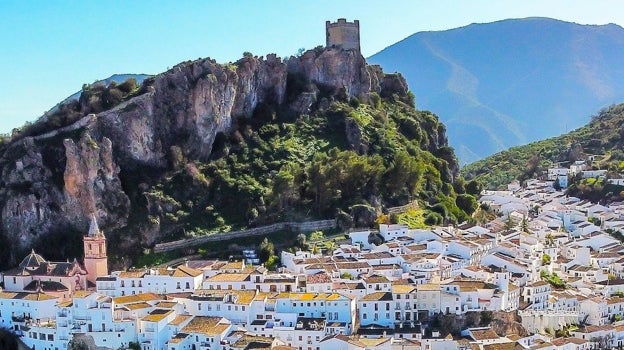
<point x="32" y="261"/>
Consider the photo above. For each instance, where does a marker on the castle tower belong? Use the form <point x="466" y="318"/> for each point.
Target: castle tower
<point x="95" y="259"/>
<point x="343" y="34"/>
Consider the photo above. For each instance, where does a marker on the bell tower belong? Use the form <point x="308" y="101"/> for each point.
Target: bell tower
<point x="95" y="259"/>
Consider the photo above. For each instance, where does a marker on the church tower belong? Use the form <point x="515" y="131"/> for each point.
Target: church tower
<point x="95" y="259"/>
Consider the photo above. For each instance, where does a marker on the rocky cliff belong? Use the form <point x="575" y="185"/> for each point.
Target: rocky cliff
<point x="54" y="179"/>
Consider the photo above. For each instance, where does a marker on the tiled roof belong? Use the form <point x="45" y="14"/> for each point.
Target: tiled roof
<point x="157" y="315"/>
<point x="319" y="277"/>
<point x="136" y="298"/>
<point x="377" y="296"/>
<point x="26" y="296"/>
<point x="229" y="277"/>
<point x="185" y="271"/>
<point x="209" y="326"/>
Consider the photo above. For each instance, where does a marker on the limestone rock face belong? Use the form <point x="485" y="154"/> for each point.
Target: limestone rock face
<point x="29" y="196"/>
<point x="92" y="185"/>
<point x="338" y="69"/>
<point x="102" y="163"/>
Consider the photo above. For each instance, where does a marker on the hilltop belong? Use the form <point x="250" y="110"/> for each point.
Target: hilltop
<point x="511" y="82"/>
<point x="208" y="147"/>
<point x="602" y="136"/>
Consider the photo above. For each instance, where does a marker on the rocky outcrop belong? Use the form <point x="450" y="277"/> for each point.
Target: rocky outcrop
<point x="91" y="183"/>
<point x="102" y="163"/>
<point x="355" y="137"/>
<point x="364" y="215"/>
<point x="333" y="68"/>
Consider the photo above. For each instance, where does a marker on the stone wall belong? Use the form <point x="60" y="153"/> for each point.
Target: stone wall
<point x="307" y="226"/>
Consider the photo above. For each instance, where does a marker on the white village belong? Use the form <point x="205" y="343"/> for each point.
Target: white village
<point x="546" y="273"/>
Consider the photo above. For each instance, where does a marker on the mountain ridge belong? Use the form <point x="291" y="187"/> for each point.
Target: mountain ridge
<point x="490" y="83"/>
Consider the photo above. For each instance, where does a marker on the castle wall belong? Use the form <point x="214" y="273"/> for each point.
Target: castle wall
<point x="343" y="34"/>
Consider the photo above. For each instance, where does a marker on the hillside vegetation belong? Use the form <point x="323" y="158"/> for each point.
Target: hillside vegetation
<point x="602" y="136"/>
<point x="280" y="168"/>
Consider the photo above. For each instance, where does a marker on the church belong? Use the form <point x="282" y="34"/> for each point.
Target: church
<point x="61" y="279"/>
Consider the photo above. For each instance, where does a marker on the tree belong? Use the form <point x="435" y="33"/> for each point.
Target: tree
<point x="550" y="240"/>
<point x="467" y="203"/>
<point x="283" y="187"/>
<point x="545" y="259"/>
<point x="267" y="250"/>
<point x="486" y="317"/>
<point x="316" y="236"/>
<point x="474" y="188"/>
<point x="272" y="262"/>
<point x="346" y="276"/>
<point x="301" y="240"/>
<point x="509" y="224"/>
<point x="524" y="224"/>
<point x="557" y="185"/>
<point x="8" y="340"/>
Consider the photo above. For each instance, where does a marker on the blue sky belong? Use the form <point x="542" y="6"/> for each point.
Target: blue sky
<point x="50" y="48"/>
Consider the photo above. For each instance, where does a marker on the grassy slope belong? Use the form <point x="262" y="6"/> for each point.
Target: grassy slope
<point x="603" y="135"/>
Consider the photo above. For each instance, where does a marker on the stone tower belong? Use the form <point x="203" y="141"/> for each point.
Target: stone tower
<point x="343" y="34"/>
<point x="95" y="259"/>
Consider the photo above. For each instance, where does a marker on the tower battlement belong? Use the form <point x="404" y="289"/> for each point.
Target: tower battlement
<point x="343" y="34"/>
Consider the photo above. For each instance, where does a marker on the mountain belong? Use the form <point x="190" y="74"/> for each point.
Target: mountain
<point x="507" y="83"/>
<point x="207" y="147"/>
<point x="602" y="136"/>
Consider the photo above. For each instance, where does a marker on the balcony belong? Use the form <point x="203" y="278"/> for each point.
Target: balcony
<point x="19" y="318"/>
<point x="106" y="288"/>
<point x="83" y="317"/>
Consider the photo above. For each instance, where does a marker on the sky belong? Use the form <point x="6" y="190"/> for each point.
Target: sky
<point x="49" y="49"/>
